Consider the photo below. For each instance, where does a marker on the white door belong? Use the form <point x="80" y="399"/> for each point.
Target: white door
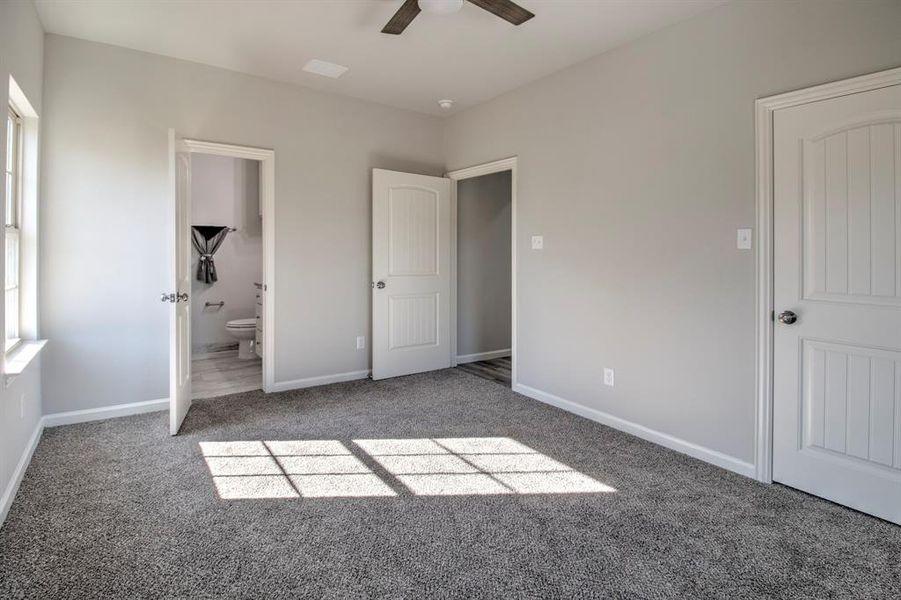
<point x="411" y="273"/>
<point x="178" y="297"/>
<point x="837" y="367"/>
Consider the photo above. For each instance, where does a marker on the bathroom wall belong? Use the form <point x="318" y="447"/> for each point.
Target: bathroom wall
<point x="484" y="267"/>
<point x="225" y="191"/>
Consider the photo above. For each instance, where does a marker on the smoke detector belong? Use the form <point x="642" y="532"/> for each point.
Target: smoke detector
<point x="445" y="104"/>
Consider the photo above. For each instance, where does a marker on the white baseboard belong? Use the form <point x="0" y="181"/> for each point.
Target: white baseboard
<point x="673" y="443"/>
<point x="69" y="418"/>
<point x="296" y="384"/>
<point x="105" y="412"/>
<point x="10" y="492"/>
<point x="468" y="358"/>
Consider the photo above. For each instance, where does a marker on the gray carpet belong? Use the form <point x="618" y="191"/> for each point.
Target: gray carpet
<point x="118" y="509"/>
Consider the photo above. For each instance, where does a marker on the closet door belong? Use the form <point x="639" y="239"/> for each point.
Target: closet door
<point x="837" y="268"/>
<point x="410" y="268"/>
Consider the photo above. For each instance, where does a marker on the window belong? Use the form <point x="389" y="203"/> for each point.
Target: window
<point x="12" y="203"/>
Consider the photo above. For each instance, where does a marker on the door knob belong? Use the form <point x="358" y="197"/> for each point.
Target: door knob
<point x="787" y="317"/>
<point x="183" y="297"/>
<point x="380" y="285"/>
<point x="164" y="297"/>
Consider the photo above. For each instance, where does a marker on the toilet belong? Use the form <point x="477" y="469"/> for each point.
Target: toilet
<point x="245" y="331"/>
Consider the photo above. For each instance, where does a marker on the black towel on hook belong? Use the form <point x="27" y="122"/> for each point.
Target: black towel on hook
<point x="206" y="239"/>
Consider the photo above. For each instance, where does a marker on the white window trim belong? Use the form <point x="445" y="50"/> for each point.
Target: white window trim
<point x="15" y="227"/>
<point x="17" y="359"/>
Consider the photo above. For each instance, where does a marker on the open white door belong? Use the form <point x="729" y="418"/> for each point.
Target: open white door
<point x="411" y="273"/>
<point x="837" y="340"/>
<point x="178" y="296"/>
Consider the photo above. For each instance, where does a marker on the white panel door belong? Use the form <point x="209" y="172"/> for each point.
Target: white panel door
<point x="837" y="367"/>
<point x="410" y="269"/>
<point x="180" y="306"/>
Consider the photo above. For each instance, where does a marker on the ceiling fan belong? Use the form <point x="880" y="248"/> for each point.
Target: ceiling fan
<point x="505" y="9"/>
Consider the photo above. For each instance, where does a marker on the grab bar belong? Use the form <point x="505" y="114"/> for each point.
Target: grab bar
<point x="209" y="304"/>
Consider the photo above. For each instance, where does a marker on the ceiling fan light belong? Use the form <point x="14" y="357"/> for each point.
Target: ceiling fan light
<point x="440" y="7"/>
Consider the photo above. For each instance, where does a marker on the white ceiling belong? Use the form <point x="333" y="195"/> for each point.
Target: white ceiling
<point x="470" y="56"/>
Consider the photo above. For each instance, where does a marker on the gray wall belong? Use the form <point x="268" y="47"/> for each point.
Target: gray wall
<point x="21" y="55"/>
<point x="226" y="191"/>
<point x="483" y="264"/>
<point x="105" y="249"/>
<point x="638" y="166"/>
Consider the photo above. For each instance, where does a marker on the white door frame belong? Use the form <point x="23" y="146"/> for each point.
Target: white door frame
<point x="497" y="166"/>
<point x="267" y="202"/>
<point x="764" y="108"/>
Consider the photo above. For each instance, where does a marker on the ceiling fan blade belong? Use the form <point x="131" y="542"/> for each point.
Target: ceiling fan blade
<point x="505" y="9"/>
<point x="406" y="13"/>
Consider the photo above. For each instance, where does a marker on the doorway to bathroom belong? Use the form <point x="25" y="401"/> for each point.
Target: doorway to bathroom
<point x="226" y="299"/>
<point x="220" y="338"/>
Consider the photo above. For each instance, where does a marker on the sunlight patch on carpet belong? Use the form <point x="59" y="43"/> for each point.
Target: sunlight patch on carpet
<point x="483" y="465"/>
<point x="279" y="469"/>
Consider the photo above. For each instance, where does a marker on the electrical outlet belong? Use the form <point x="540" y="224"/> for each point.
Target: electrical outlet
<point x="361" y="342"/>
<point x="608" y="377"/>
<point x="537" y="242"/>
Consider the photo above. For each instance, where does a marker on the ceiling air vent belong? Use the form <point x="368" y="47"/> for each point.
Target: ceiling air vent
<point x="324" y="68"/>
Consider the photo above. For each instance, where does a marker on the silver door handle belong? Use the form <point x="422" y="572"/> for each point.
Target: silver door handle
<point x="183" y="297"/>
<point x="787" y="317"/>
<point x="381" y="285"/>
<point x="164" y="297"/>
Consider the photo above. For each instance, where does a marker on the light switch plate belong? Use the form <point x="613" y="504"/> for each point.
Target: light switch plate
<point x="608" y="377"/>
<point x="361" y="342"/>
<point x="743" y="240"/>
<point x="537" y="242"/>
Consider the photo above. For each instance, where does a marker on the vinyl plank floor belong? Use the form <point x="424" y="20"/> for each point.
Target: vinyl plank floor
<point x="498" y="369"/>
<point x="223" y="373"/>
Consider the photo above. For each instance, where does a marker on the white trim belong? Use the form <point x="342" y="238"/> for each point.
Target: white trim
<point x="105" y="412"/>
<point x="267" y="200"/>
<point x="9" y="494"/>
<point x="19" y="357"/>
<point x="230" y="150"/>
<point x="296" y="384"/>
<point x="764" y="108"/>
<point x="452" y="309"/>
<point x="468" y="358"/>
<point x="28" y="210"/>
<point x="713" y="457"/>
<point x="497" y="166"/>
